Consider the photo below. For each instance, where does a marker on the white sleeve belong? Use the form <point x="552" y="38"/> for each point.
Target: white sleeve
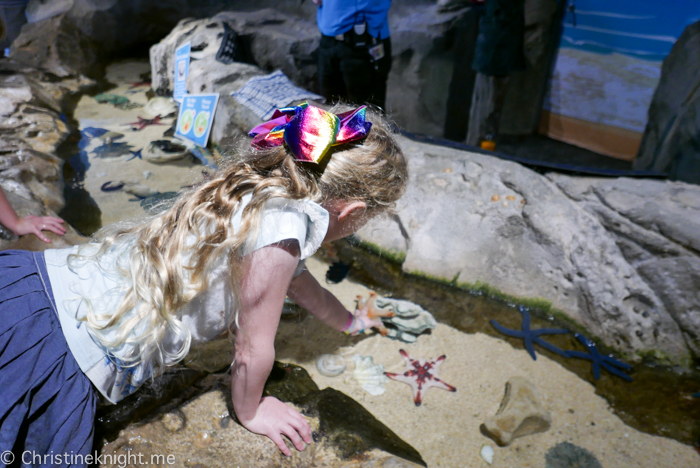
<point x="301" y="220"/>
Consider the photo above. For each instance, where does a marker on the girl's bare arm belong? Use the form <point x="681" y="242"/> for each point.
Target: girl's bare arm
<point x="306" y="291"/>
<point x="263" y="289"/>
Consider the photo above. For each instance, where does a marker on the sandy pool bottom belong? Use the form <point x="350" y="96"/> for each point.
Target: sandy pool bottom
<point x="445" y="428"/>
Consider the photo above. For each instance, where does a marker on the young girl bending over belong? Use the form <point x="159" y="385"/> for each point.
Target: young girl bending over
<point x="111" y="314"/>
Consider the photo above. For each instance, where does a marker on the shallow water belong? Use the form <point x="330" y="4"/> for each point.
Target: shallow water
<point x="94" y="161"/>
<point x="658" y="400"/>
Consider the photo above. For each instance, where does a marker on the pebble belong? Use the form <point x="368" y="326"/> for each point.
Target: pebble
<point x="173" y="422"/>
<point x="203" y="439"/>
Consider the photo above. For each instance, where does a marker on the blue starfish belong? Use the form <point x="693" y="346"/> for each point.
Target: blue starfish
<point x="136" y="154"/>
<point x="530" y="337"/>
<point x="598" y="360"/>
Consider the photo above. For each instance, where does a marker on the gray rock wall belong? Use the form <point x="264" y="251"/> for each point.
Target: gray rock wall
<point x="31" y="175"/>
<point x="618" y="256"/>
<point x="671" y="141"/>
<point x="75" y="37"/>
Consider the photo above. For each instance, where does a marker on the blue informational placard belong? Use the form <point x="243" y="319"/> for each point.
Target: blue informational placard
<point x="182" y="68"/>
<point x="196" y="117"/>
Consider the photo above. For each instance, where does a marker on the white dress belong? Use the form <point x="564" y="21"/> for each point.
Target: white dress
<point x="100" y="286"/>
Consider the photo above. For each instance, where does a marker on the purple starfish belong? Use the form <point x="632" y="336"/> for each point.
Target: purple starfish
<point x="143" y="123"/>
<point x="421" y="374"/>
<point x="530" y="337"/>
<point x="598" y="360"/>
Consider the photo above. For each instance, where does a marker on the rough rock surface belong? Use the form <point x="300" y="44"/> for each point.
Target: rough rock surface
<point x="671" y="141"/>
<point x="30" y="131"/>
<point x="206" y="75"/>
<point x="656" y="226"/>
<point x="472" y="218"/>
<point x="430" y="47"/>
<point x="520" y="414"/>
<point x="71" y="37"/>
<point x="202" y="432"/>
<point x="423" y="48"/>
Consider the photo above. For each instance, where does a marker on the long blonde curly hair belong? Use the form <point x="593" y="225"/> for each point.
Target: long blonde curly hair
<point x="171" y="254"/>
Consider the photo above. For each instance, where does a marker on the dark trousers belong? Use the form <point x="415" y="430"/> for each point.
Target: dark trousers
<point x="349" y="73"/>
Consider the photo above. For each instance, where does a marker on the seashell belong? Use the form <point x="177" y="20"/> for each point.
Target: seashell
<point x="495" y="198"/>
<point x="140" y="190"/>
<point x="331" y="365"/>
<point x="159" y="106"/>
<point x="161" y="151"/>
<point x="510" y="197"/>
<point x="487" y="453"/>
<point x="369" y="375"/>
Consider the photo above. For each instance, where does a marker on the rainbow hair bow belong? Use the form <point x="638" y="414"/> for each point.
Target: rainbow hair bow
<point x="309" y="132"/>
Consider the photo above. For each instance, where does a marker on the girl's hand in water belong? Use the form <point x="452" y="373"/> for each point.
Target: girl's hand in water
<point x="35" y="224"/>
<point x="274" y="419"/>
<point x="362" y="322"/>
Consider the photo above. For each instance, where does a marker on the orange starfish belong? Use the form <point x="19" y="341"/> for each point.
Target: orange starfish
<point x="373" y="312"/>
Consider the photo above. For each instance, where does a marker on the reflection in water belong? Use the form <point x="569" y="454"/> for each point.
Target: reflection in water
<point x="80" y="210"/>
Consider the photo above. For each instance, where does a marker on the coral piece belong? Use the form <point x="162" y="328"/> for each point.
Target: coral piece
<point x="520" y="413"/>
<point x="331" y="365"/>
<point x="403" y="320"/>
<point x="409" y="319"/>
<point x="369" y="375"/>
<point x="421" y="375"/>
<point x="567" y="455"/>
<point x="598" y="360"/>
<point x="530" y="337"/>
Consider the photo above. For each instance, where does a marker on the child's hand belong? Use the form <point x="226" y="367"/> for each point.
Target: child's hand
<point x="362" y="322"/>
<point x="274" y="419"/>
<point x="35" y="224"/>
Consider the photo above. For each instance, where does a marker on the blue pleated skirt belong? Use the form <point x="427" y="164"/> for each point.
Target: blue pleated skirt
<point x="47" y="404"/>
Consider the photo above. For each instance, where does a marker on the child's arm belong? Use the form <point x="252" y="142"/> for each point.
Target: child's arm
<point x="305" y="291"/>
<point x="29" y="224"/>
<point x="263" y="289"/>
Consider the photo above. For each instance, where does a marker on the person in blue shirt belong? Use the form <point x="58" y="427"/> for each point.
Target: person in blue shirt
<point x="355" y="50"/>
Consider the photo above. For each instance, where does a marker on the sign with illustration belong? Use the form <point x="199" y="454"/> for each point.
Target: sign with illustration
<point x="196" y="116"/>
<point x="182" y="68"/>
